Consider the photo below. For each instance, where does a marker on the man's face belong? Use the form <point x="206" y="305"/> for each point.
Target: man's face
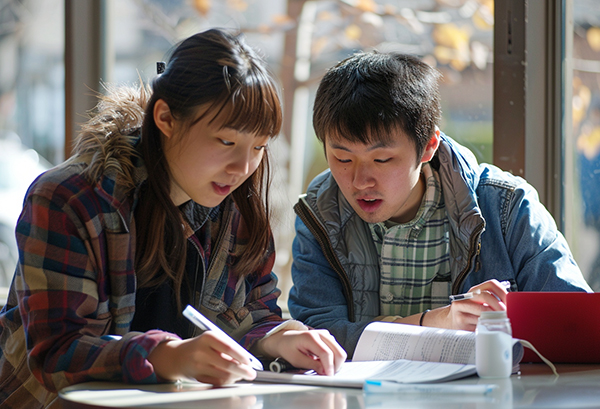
<point x="380" y="181"/>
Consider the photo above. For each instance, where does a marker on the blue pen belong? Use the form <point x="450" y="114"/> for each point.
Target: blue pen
<point x="205" y="324"/>
<point x="371" y="386"/>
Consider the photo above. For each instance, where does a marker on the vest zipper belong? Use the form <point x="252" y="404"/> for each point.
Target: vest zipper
<point x="474" y="250"/>
<point x="318" y="231"/>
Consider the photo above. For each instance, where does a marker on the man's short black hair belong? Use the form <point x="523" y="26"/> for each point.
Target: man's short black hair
<point x="369" y="96"/>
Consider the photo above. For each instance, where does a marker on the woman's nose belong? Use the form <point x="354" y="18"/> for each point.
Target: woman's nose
<point x="240" y="163"/>
<point x="238" y="168"/>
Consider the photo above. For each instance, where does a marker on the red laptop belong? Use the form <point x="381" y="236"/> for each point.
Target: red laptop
<point x="562" y="326"/>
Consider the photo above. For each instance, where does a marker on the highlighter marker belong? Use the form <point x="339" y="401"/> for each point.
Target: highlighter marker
<point x="372" y="386"/>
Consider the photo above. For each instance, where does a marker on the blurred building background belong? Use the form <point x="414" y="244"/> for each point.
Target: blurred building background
<point x="57" y="53"/>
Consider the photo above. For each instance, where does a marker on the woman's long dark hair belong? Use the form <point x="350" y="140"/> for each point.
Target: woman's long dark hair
<point x="217" y="69"/>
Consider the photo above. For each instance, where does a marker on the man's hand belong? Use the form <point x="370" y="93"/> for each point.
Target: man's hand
<point x="463" y="314"/>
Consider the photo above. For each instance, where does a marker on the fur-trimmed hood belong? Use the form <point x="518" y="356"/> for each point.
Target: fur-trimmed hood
<point x="106" y="139"/>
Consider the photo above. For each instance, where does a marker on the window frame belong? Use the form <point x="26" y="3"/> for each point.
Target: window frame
<point x="529" y="48"/>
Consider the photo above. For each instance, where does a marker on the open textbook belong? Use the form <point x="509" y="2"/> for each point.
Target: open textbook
<point x="354" y="374"/>
<point x="382" y="341"/>
<point x="400" y="353"/>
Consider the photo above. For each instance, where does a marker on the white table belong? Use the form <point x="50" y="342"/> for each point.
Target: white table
<point x="578" y="386"/>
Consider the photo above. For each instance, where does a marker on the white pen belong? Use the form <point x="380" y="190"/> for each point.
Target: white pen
<point x="205" y="324"/>
<point x="469" y="295"/>
<point x="465" y="296"/>
<point x="371" y="386"/>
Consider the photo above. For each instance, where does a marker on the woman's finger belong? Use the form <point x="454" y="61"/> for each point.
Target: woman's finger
<point x="339" y="354"/>
<point x="225" y="345"/>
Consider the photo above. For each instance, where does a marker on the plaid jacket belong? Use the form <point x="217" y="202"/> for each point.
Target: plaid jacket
<point x="72" y="297"/>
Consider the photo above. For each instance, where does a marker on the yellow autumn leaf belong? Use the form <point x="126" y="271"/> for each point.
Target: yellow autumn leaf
<point x="450" y="35"/>
<point x="586" y="95"/>
<point x="483" y="18"/>
<point x="366" y="5"/>
<point x="443" y="54"/>
<point x="458" y="64"/>
<point x="353" y="32"/>
<point x="324" y="16"/>
<point x="238" y="5"/>
<point x="580" y="103"/>
<point x="202" y="6"/>
<point x="390" y="10"/>
<point x="319" y="45"/>
<point x="281" y="19"/>
<point x="263" y="29"/>
<point x="457" y="59"/>
<point x="487" y="3"/>
<point x="589" y="144"/>
<point x="593" y="38"/>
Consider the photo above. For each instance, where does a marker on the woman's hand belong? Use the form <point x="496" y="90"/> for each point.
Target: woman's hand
<point x="310" y="349"/>
<point x="210" y="358"/>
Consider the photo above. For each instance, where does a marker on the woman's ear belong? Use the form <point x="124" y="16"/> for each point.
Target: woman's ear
<point x="431" y="147"/>
<point x="163" y="118"/>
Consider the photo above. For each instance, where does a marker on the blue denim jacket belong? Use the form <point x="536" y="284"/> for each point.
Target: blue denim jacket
<point x="498" y="229"/>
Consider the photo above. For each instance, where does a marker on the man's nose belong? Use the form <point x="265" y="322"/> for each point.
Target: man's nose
<point x="363" y="177"/>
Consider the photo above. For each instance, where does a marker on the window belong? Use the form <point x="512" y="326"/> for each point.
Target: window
<point x="31" y="108"/>
<point x="582" y="136"/>
<point x="301" y="39"/>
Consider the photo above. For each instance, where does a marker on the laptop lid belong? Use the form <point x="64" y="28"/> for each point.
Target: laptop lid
<point x="563" y="326"/>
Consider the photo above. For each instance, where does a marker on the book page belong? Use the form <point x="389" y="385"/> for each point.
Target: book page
<point x="354" y="374"/>
<point x="382" y="341"/>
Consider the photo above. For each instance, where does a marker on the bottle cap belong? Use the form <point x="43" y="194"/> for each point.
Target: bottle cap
<point x="493" y="315"/>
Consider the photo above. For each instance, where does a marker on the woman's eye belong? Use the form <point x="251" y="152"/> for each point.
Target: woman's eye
<point x="225" y="142"/>
<point x="382" y="160"/>
<point x="260" y="148"/>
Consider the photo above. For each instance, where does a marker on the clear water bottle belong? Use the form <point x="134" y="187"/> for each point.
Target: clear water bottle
<point x="493" y="345"/>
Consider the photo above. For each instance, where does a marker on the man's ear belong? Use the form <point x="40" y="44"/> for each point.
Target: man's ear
<point x="163" y="118"/>
<point x="431" y="147"/>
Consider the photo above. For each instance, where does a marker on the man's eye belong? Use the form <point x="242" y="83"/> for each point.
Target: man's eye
<point x="225" y="142"/>
<point x="343" y="160"/>
<point x="260" y="148"/>
<point x="382" y="160"/>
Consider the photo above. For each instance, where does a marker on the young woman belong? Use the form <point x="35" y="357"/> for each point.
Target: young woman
<point x="162" y="204"/>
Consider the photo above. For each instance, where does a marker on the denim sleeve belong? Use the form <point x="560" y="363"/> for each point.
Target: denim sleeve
<point x="316" y="297"/>
<point x="539" y="254"/>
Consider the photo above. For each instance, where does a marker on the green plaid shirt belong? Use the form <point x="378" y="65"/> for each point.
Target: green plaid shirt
<point x="414" y="257"/>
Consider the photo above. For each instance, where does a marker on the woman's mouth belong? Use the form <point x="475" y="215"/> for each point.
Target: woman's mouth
<point x="221" y="189"/>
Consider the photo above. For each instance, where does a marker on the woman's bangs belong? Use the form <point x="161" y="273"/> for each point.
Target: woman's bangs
<point x="254" y="108"/>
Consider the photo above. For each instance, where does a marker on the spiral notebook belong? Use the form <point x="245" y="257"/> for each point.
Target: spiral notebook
<point x="563" y="326"/>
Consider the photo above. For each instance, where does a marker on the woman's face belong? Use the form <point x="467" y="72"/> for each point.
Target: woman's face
<point x="207" y="163"/>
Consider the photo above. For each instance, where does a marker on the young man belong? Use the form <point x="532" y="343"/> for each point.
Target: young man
<point x="405" y="216"/>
